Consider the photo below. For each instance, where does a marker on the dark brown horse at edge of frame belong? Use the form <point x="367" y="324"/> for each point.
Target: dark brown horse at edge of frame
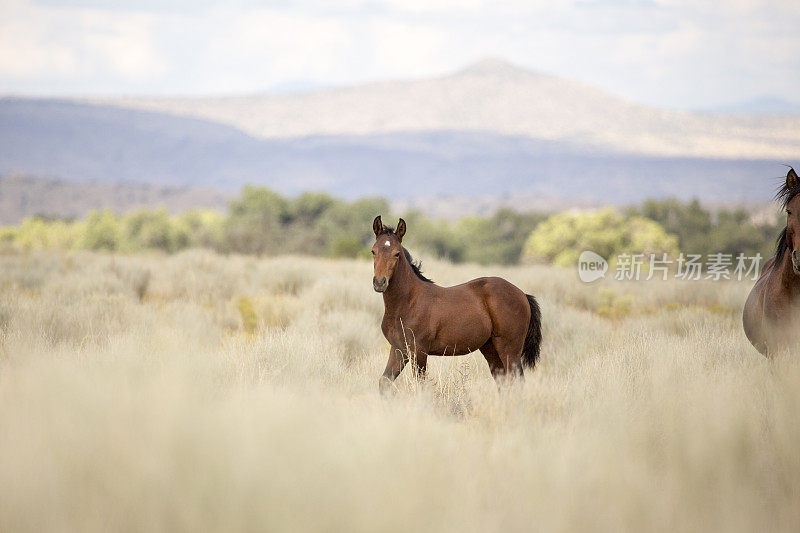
<point x="772" y="312"/>
<point x="422" y="318"/>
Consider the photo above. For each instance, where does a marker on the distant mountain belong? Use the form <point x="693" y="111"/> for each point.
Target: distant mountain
<point x="101" y="143"/>
<point x="497" y="98"/>
<point x="105" y="144"/>
<point x="296" y="86"/>
<point x="25" y="196"/>
<point x="766" y="105"/>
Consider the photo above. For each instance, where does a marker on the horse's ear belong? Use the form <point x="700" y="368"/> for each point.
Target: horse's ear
<point x="401" y="229"/>
<point x="791" y="179"/>
<point x="377" y="225"/>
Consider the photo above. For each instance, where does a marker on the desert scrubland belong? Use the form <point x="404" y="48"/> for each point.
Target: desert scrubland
<point x="203" y="392"/>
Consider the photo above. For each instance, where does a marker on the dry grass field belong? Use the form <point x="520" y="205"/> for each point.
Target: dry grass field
<point x="200" y="392"/>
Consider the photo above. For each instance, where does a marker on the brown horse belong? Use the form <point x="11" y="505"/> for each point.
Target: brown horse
<point x="422" y="318"/>
<point x="772" y="312"/>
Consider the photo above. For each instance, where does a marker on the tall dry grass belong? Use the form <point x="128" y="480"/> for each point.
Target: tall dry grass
<point x="198" y="392"/>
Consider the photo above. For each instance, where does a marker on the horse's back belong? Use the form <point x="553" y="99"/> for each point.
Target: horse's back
<point x="494" y="283"/>
<point x="493" y="286"/>
<point x="502" y="299"/>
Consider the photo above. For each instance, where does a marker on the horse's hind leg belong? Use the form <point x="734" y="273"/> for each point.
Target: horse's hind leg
<point x="510" y="353"/>
<point x="495" y="363"/>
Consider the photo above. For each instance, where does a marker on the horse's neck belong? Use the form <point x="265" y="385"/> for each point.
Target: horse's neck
<point x="403" y="287"/>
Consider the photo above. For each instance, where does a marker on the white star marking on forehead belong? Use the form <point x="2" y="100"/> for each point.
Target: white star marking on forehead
<point x="387" y="243"/>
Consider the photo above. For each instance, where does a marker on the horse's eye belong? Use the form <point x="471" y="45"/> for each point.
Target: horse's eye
<point x="397" y="254"/>
<point x="373" y="252"/>
<point x="788" y="212"/>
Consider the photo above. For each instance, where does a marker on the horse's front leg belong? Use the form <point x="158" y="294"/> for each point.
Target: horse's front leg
<point x="397" y="361"/>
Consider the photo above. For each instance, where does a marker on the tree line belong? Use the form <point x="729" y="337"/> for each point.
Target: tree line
<point x="263" y="222"/>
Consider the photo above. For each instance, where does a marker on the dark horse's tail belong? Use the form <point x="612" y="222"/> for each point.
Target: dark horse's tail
<point x="533" y="340"/>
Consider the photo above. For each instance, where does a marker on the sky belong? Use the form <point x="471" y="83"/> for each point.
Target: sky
<point x="678" y="54"/>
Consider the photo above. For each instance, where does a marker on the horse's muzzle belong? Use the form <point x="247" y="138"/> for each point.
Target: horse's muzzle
<point x="795" y="262"/>
<point x="380" y="284"/>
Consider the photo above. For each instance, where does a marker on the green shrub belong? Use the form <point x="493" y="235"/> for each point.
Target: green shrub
<point x="701" y="231"/>
<point x="199" y="229"/>
<point x="561" y="238"/>
<point x="148" y="229"/>
<point x="254" y="225"/>
<point x="348" y="247"/>
<point x="101" y="231"/>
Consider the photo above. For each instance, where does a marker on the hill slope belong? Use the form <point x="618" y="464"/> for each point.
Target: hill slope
<point x="495" y="97"/>
<point x="106" y="144"/>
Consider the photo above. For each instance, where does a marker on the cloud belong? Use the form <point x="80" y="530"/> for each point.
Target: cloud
<point x="665" y="52"/>
<point x="50" y="43"/>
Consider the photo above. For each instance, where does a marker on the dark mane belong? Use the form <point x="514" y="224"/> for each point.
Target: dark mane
<point x="784" y="195"/>
<point x="416" y="266"/>
<point x="783" y="245"/>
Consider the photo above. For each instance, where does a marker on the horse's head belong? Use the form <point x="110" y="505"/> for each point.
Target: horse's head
<point x="386" y="252"/>
<point x="791" y="195"/>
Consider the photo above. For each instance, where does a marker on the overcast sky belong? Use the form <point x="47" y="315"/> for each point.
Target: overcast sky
<point x="672" y="53"/>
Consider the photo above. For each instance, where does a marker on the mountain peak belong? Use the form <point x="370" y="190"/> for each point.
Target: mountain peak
<point x="492" y="65"/>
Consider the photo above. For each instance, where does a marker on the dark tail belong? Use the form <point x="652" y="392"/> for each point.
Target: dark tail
<point x="533" y="340"/>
